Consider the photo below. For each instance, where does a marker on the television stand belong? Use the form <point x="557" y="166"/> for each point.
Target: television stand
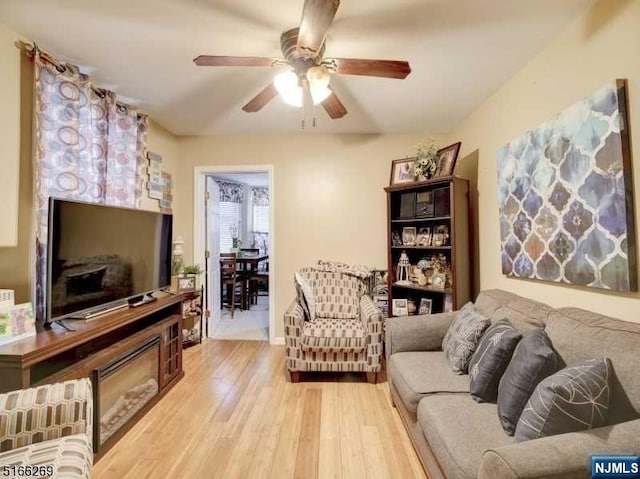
<point x="124" y="352"/>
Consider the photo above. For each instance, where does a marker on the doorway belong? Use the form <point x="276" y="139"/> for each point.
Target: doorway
<point x="236" y="217"/>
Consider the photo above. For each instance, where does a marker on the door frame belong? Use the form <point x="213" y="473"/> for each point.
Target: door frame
<point x="199" y="188"/>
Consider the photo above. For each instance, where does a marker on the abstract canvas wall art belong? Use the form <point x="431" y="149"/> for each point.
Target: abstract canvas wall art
<point x="565" y="194"/>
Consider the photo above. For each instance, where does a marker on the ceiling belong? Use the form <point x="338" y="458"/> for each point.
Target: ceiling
<point x="461" y="51"/>
<point x="251" y="179"/>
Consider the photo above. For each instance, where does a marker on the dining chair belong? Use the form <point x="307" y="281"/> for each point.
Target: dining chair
<point x="232" y="279"/>
<point x="259" y="282"/>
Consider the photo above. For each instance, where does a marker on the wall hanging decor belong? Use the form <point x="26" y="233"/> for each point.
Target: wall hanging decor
<point x="566" y="197"/>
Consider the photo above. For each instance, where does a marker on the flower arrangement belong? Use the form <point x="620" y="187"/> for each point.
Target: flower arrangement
<point x="235" y="236"/>
<point x="426" y="163"/>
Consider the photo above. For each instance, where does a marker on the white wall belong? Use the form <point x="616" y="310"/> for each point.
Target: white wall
<point x="601" y="46"/>
<point x="328" y="196"/>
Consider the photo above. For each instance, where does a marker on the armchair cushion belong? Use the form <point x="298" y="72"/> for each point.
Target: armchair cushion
<point x="305" y="296"/>
<point x="337" y="295"/>
<point x="334" y="334"/>
<point x="70" y="457"/>
<point x="46" y="412"/>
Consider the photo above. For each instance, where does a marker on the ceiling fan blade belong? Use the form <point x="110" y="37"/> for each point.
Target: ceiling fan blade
<point x="373" y="68"/>
<point x="317" y="16"/>
<point x="334" y="107"/>
<point x="222" y="61"/>
<point x="261" y="99"/>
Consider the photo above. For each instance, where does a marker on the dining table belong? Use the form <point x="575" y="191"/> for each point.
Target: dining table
<point x="248" y="264"/>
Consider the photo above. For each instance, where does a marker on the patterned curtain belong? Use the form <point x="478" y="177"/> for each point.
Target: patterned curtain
<point x="230" y="191"/>
<point x="260" y="196"/>
<point x="87" y="147"/>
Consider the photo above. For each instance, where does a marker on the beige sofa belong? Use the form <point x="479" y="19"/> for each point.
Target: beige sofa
<point x="456" y="437"/>
<point x="46" y="431"/>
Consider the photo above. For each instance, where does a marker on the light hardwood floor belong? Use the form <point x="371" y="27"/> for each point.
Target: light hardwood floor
<point x="235" y="415"/>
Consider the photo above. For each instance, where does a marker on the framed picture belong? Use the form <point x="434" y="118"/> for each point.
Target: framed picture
<point x="425" y="306"/>
<point x="400" y="307"/>
<point x="396" y="239"/>
<point x="424" y="236"/>
<point x="441" y="236"/>
<point x="186" y="283"/>
<point x="409" y="236"/>
<point x="447" y="157"/>
<point x="17" y="322"/>
<point x="402" y="171"/>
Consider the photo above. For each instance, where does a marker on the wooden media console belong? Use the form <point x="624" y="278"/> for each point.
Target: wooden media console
<point x="133" y="357"/>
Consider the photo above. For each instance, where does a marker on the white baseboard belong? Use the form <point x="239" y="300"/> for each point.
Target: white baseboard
<point x="278" y="341"/>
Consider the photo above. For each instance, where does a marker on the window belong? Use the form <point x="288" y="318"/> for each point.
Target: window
<point x="260" y="219"/>
<point x="230" y="216"/>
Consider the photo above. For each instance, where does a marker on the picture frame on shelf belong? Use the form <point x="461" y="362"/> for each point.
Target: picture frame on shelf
<point x="446" y="158"/>
<point x="424" y="236"/>
<point x="409" y="234"/>
<point x="425" y="306"/>
<point x="402" y="171"/>
<point x="396" y="238"/>
<point x="400" y="307"/>
<point x="441" y="236"/>
<point x="186" y="283"/>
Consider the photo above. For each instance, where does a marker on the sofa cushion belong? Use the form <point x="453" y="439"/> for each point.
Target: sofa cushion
<point x="459" y="430"/>
<point x="333" y="334"/>
<point x="418" y="374"/>
<point x="70" y="456"/>
<point x="578" y="335"/>
<point x="573" y="399"/>
<point x="524" y="313"/>
<point x="533" y="360"/>
<point x="462" y="338"/>
<point x="490" y="360"/>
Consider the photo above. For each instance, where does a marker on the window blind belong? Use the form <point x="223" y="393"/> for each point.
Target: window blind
<point x="260" y="219"/>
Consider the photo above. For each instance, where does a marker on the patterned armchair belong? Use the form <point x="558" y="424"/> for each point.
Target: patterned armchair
<point x="344" y="335"/>
<point x="49" y="429"/>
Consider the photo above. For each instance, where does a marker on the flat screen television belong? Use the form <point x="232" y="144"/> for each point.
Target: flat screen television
<point x="101" y="256"/>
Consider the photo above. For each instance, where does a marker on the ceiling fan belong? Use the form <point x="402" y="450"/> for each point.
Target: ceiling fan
<point x="303" y="51"/>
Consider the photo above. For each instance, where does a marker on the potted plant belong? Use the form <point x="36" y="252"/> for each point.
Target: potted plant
<point x="193" y="270"/>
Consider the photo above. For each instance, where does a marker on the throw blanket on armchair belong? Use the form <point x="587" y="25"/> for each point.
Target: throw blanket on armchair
<point x="359" y="270"/>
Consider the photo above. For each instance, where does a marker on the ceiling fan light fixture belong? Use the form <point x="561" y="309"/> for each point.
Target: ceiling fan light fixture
<point x="318" y="79"/>
<point x="288" y="87"/>
<point x="319" y="93"/>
